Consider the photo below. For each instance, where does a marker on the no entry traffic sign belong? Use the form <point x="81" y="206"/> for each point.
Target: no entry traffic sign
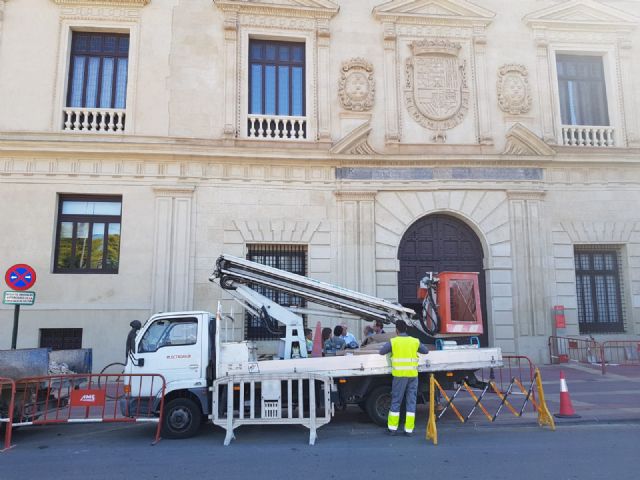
<point x="20" y="277"/>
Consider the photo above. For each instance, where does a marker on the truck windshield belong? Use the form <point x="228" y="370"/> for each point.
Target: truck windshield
<point x="169" y="332"/>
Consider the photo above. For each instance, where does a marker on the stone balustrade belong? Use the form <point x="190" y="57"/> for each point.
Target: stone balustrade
<point x="587" y="136"/>
<point x="276" y="127"/>
<point x="103" y="120"/>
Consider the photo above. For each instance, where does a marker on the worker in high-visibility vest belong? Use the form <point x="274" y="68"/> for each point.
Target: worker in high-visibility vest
<point x="404" y="368"/>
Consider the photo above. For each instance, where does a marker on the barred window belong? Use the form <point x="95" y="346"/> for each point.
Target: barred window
<point x="599" y="290"/>
<point x="61" y="338"/>
<point x="291" y="258"/>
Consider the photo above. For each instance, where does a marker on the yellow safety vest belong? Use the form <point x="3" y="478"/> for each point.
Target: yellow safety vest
<point x="404" y="356"/>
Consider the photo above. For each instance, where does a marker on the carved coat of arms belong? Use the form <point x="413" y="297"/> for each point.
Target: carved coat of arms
<point x="436" y="89"/>
<point x="357" y="86"/>
<point x="514" y="93"/>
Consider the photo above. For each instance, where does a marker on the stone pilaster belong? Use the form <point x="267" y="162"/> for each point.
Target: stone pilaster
<point x="172" y="281"/>
<point x="528" y="241"/>
<point x="356" y="255"/>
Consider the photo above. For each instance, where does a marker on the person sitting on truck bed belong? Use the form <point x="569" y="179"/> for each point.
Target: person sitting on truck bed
<point x="348" y="337"/>
<point x="336" y="343"/>
<point x="308" y="336"/>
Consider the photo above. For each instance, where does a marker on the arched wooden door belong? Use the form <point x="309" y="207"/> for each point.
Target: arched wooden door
<point x="438" y="243"/>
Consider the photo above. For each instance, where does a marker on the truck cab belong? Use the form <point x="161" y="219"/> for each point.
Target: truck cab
<point x="178" y="346"/>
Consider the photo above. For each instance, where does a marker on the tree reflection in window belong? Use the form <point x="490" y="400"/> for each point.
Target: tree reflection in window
<point x="88" y="234"/>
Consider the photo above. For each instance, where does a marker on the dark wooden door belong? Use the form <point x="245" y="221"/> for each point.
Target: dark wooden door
<point x="438" y="243"/>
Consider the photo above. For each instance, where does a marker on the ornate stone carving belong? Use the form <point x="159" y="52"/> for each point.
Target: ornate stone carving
<point x="357" y="86"/>
<point x="522" y="141"/>
<point x="436" y="89"/>
<point x="356" y="142"/>
<point x="514" y="92"/>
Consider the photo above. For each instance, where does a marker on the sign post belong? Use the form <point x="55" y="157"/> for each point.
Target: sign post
<point x="19" y="277"/>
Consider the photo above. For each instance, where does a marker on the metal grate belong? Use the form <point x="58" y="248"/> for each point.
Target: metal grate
<point x="291" y="258"/>
<point x="599" y="289"/>
<point x="61" y="338"/>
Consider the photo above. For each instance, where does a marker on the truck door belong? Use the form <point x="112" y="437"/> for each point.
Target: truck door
<point x="171" y="347"/>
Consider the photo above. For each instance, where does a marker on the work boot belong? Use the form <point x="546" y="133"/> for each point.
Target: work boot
<point x="392" y="433"/>
<point x="408" y="434"/>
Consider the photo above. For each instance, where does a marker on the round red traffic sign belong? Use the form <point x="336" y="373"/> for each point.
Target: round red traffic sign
<point x="20" y="277"/>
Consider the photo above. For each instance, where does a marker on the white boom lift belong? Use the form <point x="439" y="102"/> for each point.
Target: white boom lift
<point x="233" y="274"/>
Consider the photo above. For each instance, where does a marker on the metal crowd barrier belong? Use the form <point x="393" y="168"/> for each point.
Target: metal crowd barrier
<point x="620" y="353"/>
<point x="539" y="406"/>
<point x="588" y="351"/>
<point x="7" y="402"/>
<point x="270" y="399"/>
<point x="87" y="398"/>
<point x="580" y="350"/>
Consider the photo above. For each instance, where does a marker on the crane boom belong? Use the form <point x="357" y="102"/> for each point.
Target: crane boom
<point x="232" y="270"/>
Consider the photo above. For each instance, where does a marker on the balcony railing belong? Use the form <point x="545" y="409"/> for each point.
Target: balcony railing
<point x="587" y="136"/>
<point x="275" y="127"/>
<point x="102" y="120"/>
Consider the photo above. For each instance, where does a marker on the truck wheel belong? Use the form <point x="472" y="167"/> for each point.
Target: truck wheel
<point x="378" y="403"/>
<point x="182" y="418"/>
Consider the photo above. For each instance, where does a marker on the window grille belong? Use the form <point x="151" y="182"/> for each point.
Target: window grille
<point x="61" y="338"/>
<point x="599" y="289"/>
<point x="291" y="258"/>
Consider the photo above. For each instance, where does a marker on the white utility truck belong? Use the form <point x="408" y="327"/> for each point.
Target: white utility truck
<point x="187" y="349"/>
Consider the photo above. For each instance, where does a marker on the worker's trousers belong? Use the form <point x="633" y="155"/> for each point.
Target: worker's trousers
<point x="406" y="387"/>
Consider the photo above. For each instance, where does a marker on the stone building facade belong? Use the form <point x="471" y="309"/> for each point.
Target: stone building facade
<point x="363" y="141"/>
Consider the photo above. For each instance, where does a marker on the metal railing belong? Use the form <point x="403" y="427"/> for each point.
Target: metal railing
<point x="7" y="402"/>
<point x="271" y="399"/>
<point x="86" y="398"/>
<point x="620" y="353"/>
<point x="94" y="120"/>
<point x="587" y="136"/>
<point x="276" y="127"/>
<point x="588" y="351"/>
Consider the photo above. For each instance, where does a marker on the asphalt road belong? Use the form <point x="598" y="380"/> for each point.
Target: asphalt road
<point x="346" y="448"/>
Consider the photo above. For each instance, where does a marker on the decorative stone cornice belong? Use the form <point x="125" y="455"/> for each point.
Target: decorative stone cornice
<point x="434" y="12"/>
<point x="103" y="3"/>
<point x="587" y="15"/>
<point x="319" y="9"/>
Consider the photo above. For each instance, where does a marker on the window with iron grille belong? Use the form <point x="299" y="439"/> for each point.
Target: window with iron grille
<point x="582" y="89"/>
<point x="88" y="234"/>
<point x="61" y="338"/>
<point x="599" y="289"/>
<point x="291" y="258"/>
<point x="98" y="70"/>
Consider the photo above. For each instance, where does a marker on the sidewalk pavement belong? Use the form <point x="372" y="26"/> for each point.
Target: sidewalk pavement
<point x="596" y="398"/>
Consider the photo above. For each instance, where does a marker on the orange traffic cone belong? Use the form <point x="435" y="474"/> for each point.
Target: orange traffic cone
<point x="566" y="408"/>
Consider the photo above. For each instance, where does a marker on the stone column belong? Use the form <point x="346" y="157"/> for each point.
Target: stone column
<point x="391" y="84"/>
<point x="482" y="103"/>
<point x="528" y="240"/>
<point x="172" y="281"/>
<point x="356" y="255"/>
<point x="231" y="74"/>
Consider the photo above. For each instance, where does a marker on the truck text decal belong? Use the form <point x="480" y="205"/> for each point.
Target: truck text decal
<point x="178" y="356"/>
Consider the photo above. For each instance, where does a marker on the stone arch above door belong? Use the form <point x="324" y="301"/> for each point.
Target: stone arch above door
<point x="485" y="212"/>
<point x="439" y="243"/>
